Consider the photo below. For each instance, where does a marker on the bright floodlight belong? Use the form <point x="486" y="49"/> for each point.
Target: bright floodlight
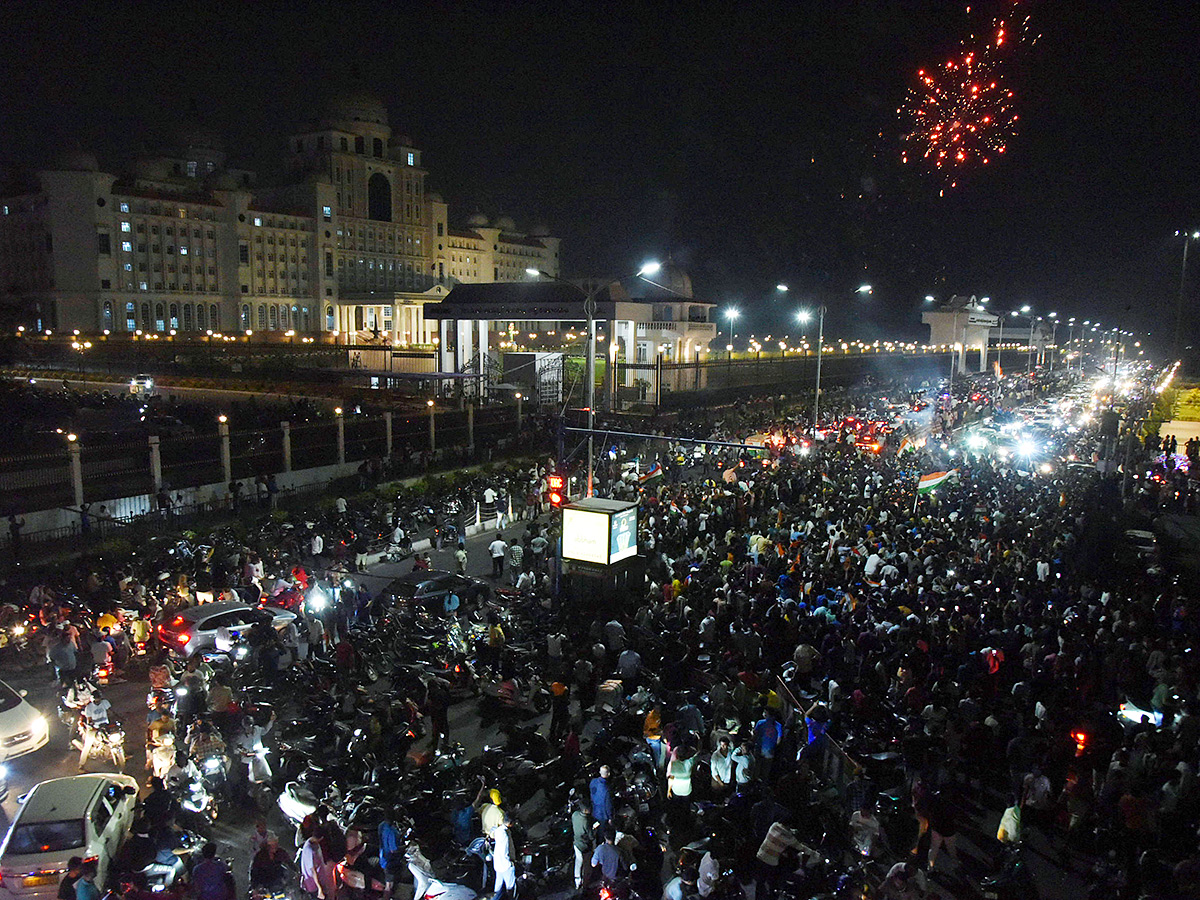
<point x="650" y="268"/>
<point x="533" y="272"/>
<point x="929" y="298"/>
<point x="1025" y="308"/>
<point x="804" y="316"/>
<point x="782" y="288"/>
<point x="863" y="289"/>
<point x="1026" y="448"/>
<point x="731" y="314"/>
<point x="977" y="442"/>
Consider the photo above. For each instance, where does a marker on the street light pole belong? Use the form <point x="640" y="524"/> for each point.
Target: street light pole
<point x="589" y="307"/>
<point x="804" y="316"/>
<point x="1187" y="239"/>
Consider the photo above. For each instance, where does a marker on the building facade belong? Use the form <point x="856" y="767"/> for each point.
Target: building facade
<point x="346" y="237"/>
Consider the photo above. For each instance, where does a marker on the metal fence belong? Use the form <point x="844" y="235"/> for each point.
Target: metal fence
<point x="108" y="471"/>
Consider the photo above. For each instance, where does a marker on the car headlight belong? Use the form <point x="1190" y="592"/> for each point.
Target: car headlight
<point x="40" y="724"/>
<point x="3" y="772"/>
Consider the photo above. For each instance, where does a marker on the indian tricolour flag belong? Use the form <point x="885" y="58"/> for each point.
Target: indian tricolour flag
<point x="934" y="480"/>
<point x="655" y="471"/>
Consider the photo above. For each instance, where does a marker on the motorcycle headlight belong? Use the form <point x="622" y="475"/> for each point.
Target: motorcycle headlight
<point x="212" y="764"/>
<point x="241" y="653"/>
<point x="116" y="737"/>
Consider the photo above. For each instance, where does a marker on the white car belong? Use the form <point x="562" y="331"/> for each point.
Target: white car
<point x="22" y="728"/>
<point x="83" y="815"/>
<point x="141" y="384"/>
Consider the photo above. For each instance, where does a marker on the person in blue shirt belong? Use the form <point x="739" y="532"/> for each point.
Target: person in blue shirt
<point x="606" y="856"/>
<point x="767" y="734"/>
<point x="602" y="802"/>
<point x="391" y="851"/>
<point x="85" y="887"/>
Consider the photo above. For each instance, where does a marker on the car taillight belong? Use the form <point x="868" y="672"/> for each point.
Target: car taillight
<point x="183" y="638"/>
<point x="102" y="672"/>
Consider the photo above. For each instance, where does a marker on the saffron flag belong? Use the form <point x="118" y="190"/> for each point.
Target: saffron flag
<point x="934" y="480"/>
<point x="827" y="481"/>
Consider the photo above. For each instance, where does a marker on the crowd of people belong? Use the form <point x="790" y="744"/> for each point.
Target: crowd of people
<point x="826" y="667"/>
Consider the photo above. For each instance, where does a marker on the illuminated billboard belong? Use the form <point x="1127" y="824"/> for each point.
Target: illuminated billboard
<point x="599" y="531"/>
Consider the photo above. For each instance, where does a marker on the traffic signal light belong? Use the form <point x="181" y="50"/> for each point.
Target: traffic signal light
<point x="557" y="485"/>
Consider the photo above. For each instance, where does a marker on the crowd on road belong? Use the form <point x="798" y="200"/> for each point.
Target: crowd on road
<point x="828" y="680"/>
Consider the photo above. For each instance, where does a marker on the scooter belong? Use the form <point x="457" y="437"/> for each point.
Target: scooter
<point x="427" y="886"/>
<point x="106" y="740"/>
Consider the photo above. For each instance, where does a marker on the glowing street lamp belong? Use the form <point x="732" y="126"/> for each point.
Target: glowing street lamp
<point x="732" y="315"/>
<point x="804" y="317"/>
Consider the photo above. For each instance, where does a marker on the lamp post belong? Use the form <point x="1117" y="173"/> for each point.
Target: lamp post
<point x="1187" y="239"/>
<point x="1053" y="317"/>
<point x="732" y="316"/>
<point x="804" y="316"/>
<point x="589" y="307"/>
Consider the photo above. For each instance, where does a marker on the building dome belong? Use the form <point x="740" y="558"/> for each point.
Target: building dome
<point x="193" y="136"/>
<point x="505" y="223"/>
<point x="78" y="161"/>
<point x="478" y="220"/>
<point x="357" y="106"/>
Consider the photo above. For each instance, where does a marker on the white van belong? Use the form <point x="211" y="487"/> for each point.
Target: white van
<point x="83" y="815"/>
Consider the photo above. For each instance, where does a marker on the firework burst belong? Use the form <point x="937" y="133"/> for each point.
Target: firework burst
<point x="961" y="113"/>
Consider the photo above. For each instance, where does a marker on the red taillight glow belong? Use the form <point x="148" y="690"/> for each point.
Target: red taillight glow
<point x="183" y="638"/>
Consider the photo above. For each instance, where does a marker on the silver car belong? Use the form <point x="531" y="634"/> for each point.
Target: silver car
<point x="197" y="628"/>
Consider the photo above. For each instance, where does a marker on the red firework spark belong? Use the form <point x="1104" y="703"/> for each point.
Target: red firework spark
<point x="961" y="113"/>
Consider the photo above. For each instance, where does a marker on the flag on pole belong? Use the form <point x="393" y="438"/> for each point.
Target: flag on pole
<point x="934" y="480"/>
<point x="655" y="471"/>
<point x="827" y="481"/>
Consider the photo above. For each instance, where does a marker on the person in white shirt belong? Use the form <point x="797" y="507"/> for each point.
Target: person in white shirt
<point x="506" y="872"/>
<point x="497" y="549"/>
<point x="314" y="873"/>
<point x="865" y="831"/>
<point x="710" y="871"/>
<point x="95" y="717"/>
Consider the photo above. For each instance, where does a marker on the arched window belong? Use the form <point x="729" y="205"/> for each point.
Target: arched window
<point x="307" y="325"/>
<point x="262" y="317"/>
<point x="274" y="311"/>
<point x="245" y="316"/>
<point x="214" y="317"/>
<point x="130" y="317"/>
<point x="379" y="198"/>
<point x="283" y="318"/>
<point x="106" y="317"/>
<point x="377" y="145"/>
<point x="145" y="317"/>
<point x="330" y="321"/>
<point x="358" y="145"/>
<point x="187" y="317"/>
<point x="175" y="316"/>
<point x="201" y="318"/>
<point x="160" y="321"/>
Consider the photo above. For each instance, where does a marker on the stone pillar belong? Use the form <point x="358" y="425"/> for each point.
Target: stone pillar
<point x="226" y="462"/>
<point x="286" y="428"/>
<point x="155" y="463"/>
<point x="74" y="452"/>
<point x="340" y="420"/>
<point x="387" y="432"/>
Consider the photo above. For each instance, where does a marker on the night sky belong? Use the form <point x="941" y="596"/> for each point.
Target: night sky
<point x="754" y="143"/>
